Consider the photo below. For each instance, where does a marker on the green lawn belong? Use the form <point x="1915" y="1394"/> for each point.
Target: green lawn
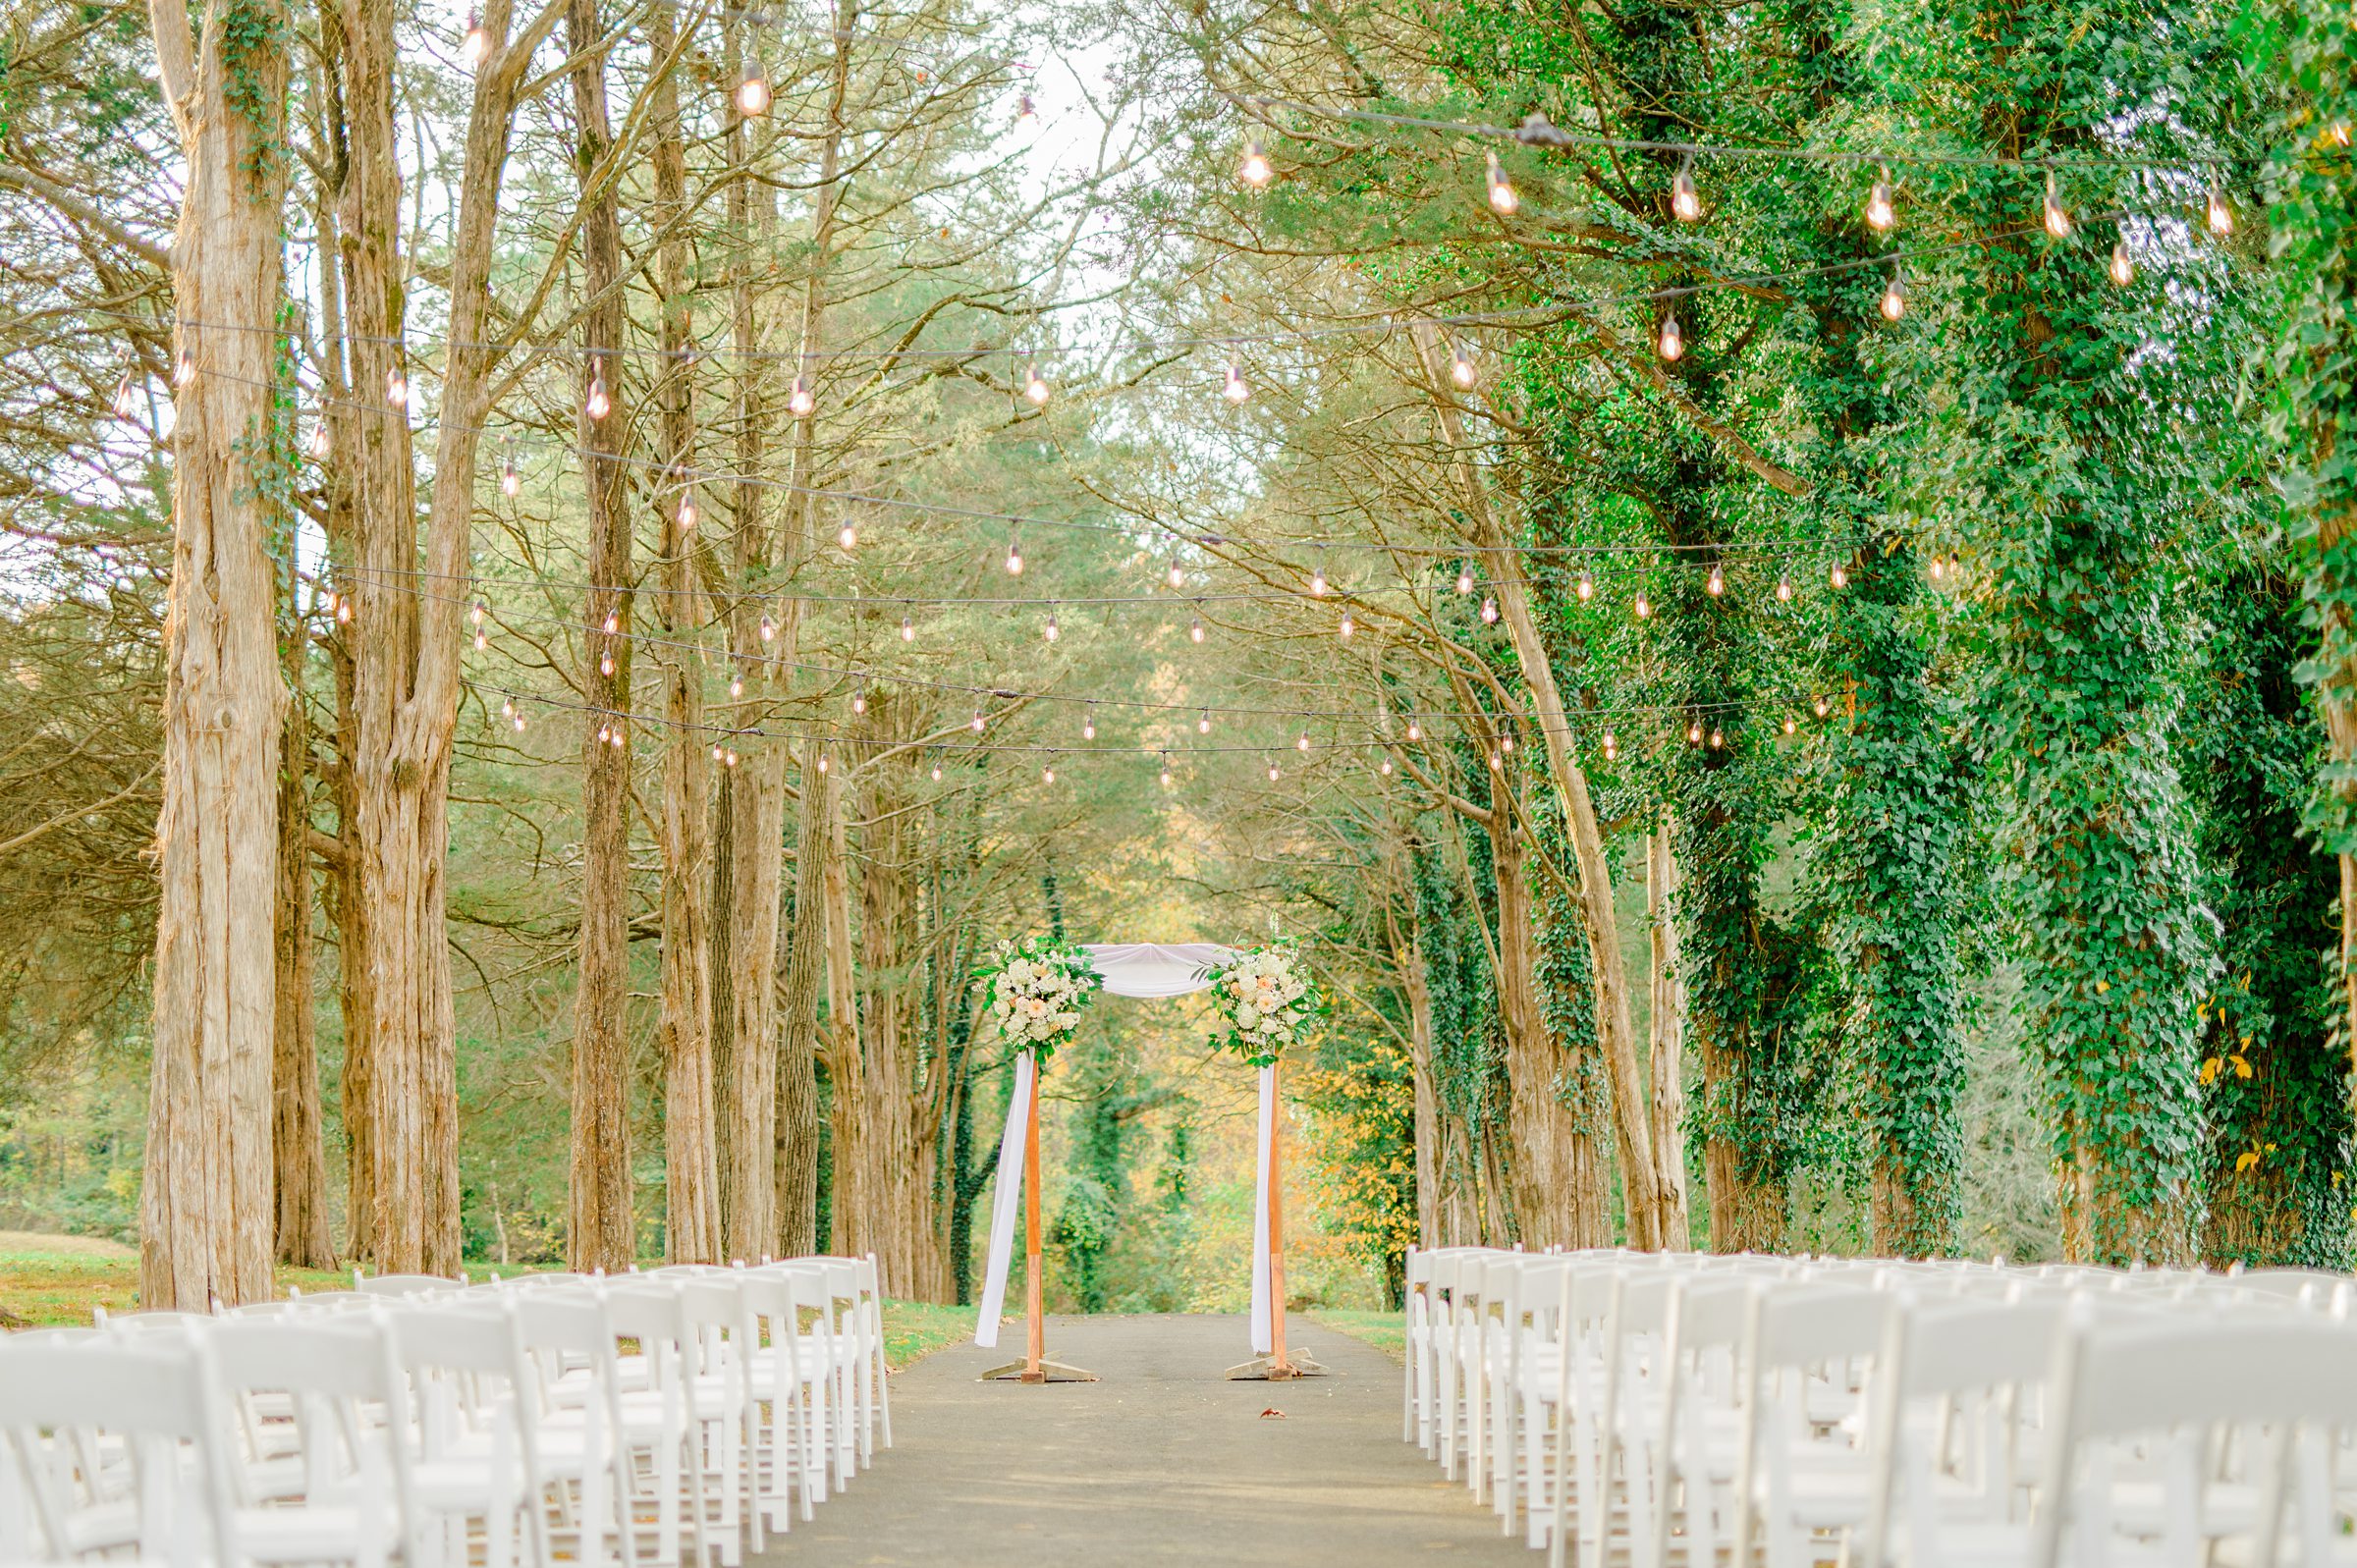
<point x="1387" y="1331"/>
<point x="54" y="1281"/>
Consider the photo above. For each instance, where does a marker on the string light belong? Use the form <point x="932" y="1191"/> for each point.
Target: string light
<point x="1672" y="341"/>
<point x="1838" y="576"/>
<point x="1046" y="775"/>
<point x="320" y="444"/>
<point x="1015" y="555"/>
<point x="727" y="758"/>
<point x="1346" y="625"/>
<point x="1195" y="631"/>
<point x="1718" y="740"/>
<point x="1503" y="198"/>
<point x="1880" y="214"/>
<point x="1685" y="204"/>
<point x="1023" y="109"/>
<point x="1587" y="584"/>
<point x="605" y="663"/>
<point x="937" y="773"/>
<point x="1383" y="767"/>
<point x="127" y="401"/>
<point x="1273" y="769"/>
<point x="183" y="368"/>
<point x="1036" y="388"/>
<point x="1821" y="707"/>
<point x="476" y="44"/>
<point x="752" y="93"/>
<point x="737" y="684"/>
<point x="1612" y="747"/>
<point x="823" y="762"/>
<point x="848" y="536"/>
<point x="1088" y="727"/>
<point x="1465" y="577"/>
<point x="2058" y="222"/>
<point x="908" y="630"/>
<point x="1694" y="731"/>
<point x="597" y="406"/>
<point x="801" y="401"/>
<point x="1505" y="743"/>
<point x="1236" y="389"/>
<point x="509" y="481"/>
<point x="2122" y="267"/>
<point x="1203" y="721"/>
<point x="1895" y="295"/>
<point x="1301" y="744"/>
<point x="1784" y="587"/>
<point x="1717" y="584"/>
<point x="1175" y="576"/>
<point x="769" y="629"/>
<point x="613" y="622"/>
<point x="2221" y="215"/>
<point x="397" y="388"/>
<point x="1461" y="369"/>
<point x="342" y="602"/>
<point x="1167" y="779"/>
<point x="1415" y="731"/>
<point x="476" y="617"/>
<point x="977" y="721"/>
<point x="687" y="512"/>
<point x="1255" y="170"/>
<point x="1053" y="630"/>
<point x="1488" y="610"/>
<point x="1790" y="725"/>
<point x="1644" y="606"/>
<point x="1939" y="568"/>
<point x="1317" y="581"/>
<point x="860" y="696"/>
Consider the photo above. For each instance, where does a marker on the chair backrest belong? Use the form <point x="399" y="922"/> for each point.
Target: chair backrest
<point x="335" y="1375"/>
<point x="405" y="1284"/>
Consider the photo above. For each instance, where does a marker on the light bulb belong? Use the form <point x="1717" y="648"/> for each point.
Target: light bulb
<point x="1718" y="740"/>
<point x="1383" y="767"/>
<point x="1465" y="577"/>
<point x="977" y="721"/>
<point x="824" y="762"/>
<point x="1235" y="389"/>
<point x="1317" y="582"/>
<point x="1694" y="733"/>
<point x="1644" y="605"/>
<point x="860" y="697"/>
<point x="1612" y="747"/>
<point x="1497" y="763"/>
<point x="1821" y="706"/>
<point x="2122" y="267"/>
<point x="1047" y="775"/>
<point x="1054" y="630"/>
<point x="1880" y="214"/>
<point x="344" y="610"/>
<point x="2221" y="215"/>
<point x="397" y="388"/>
<point x="1347" y="625"/>
<point x="517" y="722"/>
<point x="1685" y="204"/>
<point x="736" y="685"/>
<point x="605" y="733"/>
<point x="1895" y="296"/>
<point x="1175" y="576"/>
<point x="320" y="444"/>
<point x="1672" y="341"/>
<point x="597" y="404"/>
<point x="1167" y="779"/>
<point x="1461" y="369"/>
<point x="1503" y="198"/>
<point x="715" y="751"/>
<point x="1717" y="584"/>
<point x="1255" y="170"/>
<point x="1790" y="725"/>
<point x="752" y="93"/>
<point x="1203" y="721"/>
<point x="613" y="622"/>
<point x="1488" y="610"/>
<point x="475" y="613"/>
<point x="1415" y="731"/>
<point x="605" y="665"/>
<point x="1939" y="568"/>
<point x="509" y="481"/>
<point x="937" y="773"/>
<point x="769" y="629"/>
<point x="2058" y="222"/>
<point x="1088" y="728"/>
<point x="1035" y="388"/>
<point x="507" y="708"/>
<point x="482" y="642"/>
<point x="476" y="44"/>
<point x="1784" y="587"/>
<point x="1505" y="743"/>
<point x="183" y="368"/>
<point x="728" y="758"/>
<point x="1587" y="584"/>
<point x="127" y="403"/>
<point x="1196" y="630"/>
<point x="1015" y="558"/>
<point x="801" y="401"/>
<point x="1273" y="772"/>
<point x="686" y="513"/>
<point x="1838" y="576"/>
<point x="908" y="630"/>
<point x="848" y="536"/>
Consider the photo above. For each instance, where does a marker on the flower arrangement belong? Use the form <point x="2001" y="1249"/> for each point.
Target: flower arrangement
<point x="1266" y="1001"/>
<point x="1037" y="989"/>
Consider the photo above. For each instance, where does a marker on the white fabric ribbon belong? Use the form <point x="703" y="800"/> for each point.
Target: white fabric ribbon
<point x="1002" y="1205"/>
<point x="1263" y="1335"/>
<point x="1156" y="968"/>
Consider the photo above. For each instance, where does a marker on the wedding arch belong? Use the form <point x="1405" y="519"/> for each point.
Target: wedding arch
<point x="1266" y="1001"/>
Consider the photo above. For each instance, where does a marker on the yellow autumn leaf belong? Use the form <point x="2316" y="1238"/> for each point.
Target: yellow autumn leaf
<point x="2242" y="1067"/>
<point x="2210" y="1069"/>
<point x="2102" y="986"/>
<point x="2245" y="1161"/>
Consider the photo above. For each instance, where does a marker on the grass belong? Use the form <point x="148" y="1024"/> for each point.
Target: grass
<point x="1387" y="1331"/>
<point x="54" y="1281"/>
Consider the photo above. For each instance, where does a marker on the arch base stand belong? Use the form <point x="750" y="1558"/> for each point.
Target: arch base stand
<point x="1042" y="1372"/>
<point x="1300" y="1363"/>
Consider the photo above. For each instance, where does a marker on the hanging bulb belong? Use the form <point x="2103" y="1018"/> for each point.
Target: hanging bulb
<point x="1014" y="557"/>
<point x="613" y="622"/>
<point x="769" y="629"/>
<point x="1273" y="772"/>
<point x="1488" y="610"/>
<point x="1347" y="625"/>
<point x="1203" y="721"/>
<point x="801" y="401"/>
<point x="736" y="685"/>
<point x="937" y="773"/>
<point x="1939" y="568"/>
<point x="977" y="721"/>
<point x="752" y="93"/>
<point x="1046" y="775"/>
<point x="1694" y="733"/>
<point x="1784" y="587"/>
<point x="1317" y="581"/>
<point x="1461" y="369"/>
<point x="1505" y="743"/>
<point x="1036" y="388"/>
<point x="688" y="513"/>
<point x="1672" y="341"/>
<point x="1166" y="778"/>
<point x="716" y="751"/>
<point x="397" y="388"/>
<point x="344" y="610"/>
<point x="1301" y="744"/>
<point x="507" y="706"/>
<point x="1175" y="576"/>
<point x="728" y="758"/>
<point x="127" y="405"/>
<point x="517" y="722"/>
<point x="509" y="481"/>
<point x="1838" y="576"/>
<point x="1895" y="296"/>
<point x="597" y="404"/>
<point x="1088" y="727"/>
<point x="1465" y="577"/>
<point x="848" y="536"/>
<point x="1612" y="747"/>
<point x="860" y="696"/>
<point x="1503" y="198"/>
<point x="1235" y="389"/>
<point x="908" y="630"/>
<point x="1790" y="725"/>
<point x="605" y="733"/>
<point x="1054" y="630"/>
<point x="1718" y="740"/>
<point x="476" y="616"/>
<point x="2221" y="215"/>
<point x="1023" y="108"/>
<point x="1880" y="214"/>
<point x="1255" y="170"/>
<point x="1717" y="582"/>
<point x="1644" y="606"/>
<point x="1196" y="630"/>
<point x="320" y="443"/>
<point x="473" y="47"/>
<point x="2058" y="222"/>
<point x="1383" y="767"/>
<point x="605" y="664"/>
<point x="1685" y="204"/>
<point x="1415" y="731"/>
<point x="823" y="762"/>
<point x="183" y="368"/>
<point x="2122" y="268"/>
<point x="1587" y="584"/>
<point x="1821" y="707"/>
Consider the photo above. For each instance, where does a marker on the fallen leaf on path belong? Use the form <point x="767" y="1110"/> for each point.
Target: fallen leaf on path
<point x="1271" y="1414"/>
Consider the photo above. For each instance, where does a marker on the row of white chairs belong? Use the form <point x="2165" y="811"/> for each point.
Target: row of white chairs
<point x="1651" y="1409"/>
<point x="649" y="1420"/>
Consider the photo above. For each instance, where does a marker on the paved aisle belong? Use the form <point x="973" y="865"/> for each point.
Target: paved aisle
<point x="1161" y="1463"/>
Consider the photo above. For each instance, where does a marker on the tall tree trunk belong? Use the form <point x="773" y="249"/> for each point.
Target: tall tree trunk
<point x="602" y="1233"/>
<point x="797" y="1133"/>
<point x="205" y="1206"/>
<point x="300" y="1234"/>
<point x="1667" y="1025"/>
<point x="851" y="1205"/>
<point x="1407" y="957"/>
<point x="1541" y="1120"/>
<point x="690" y="1158"/>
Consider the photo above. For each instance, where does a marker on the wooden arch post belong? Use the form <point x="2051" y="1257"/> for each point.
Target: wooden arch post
<point x="1277" y="1365"/>
<point x="1035" y="1365"/>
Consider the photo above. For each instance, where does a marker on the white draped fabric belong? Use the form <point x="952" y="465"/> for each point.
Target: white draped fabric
<point x="1153" y="969"/>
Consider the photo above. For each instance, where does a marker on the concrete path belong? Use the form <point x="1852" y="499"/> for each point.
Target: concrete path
<point x="1163" y="1462"/>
